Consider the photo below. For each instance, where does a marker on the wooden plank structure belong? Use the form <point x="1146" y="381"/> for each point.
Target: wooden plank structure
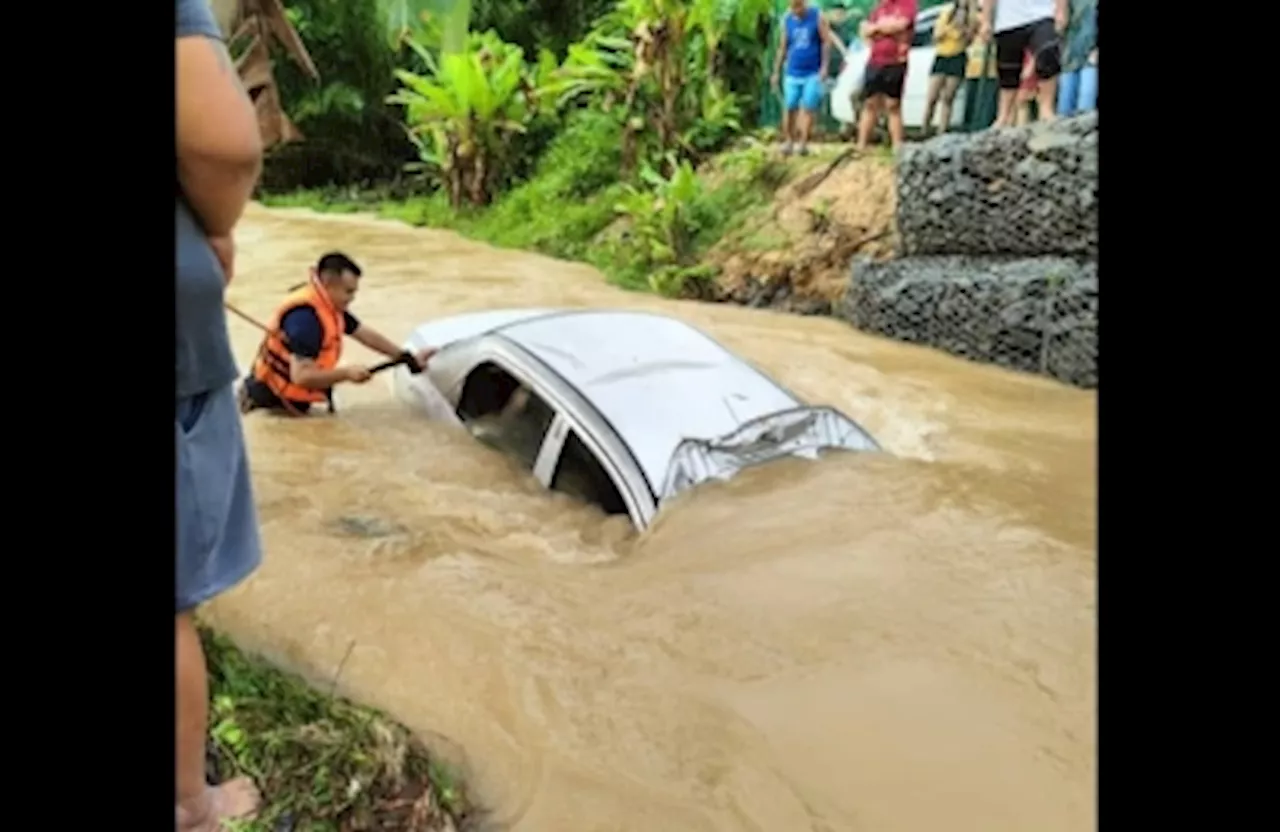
<point x="251" y="26"/>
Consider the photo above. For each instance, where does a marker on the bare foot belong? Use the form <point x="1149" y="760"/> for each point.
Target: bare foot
<point x="232" y="800"/>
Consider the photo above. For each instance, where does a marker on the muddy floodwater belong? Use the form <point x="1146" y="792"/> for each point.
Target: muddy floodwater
<point x="893" y="643"/>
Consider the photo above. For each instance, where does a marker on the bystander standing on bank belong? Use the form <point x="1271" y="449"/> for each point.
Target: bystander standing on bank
<point x="219" y="158"/>
<point x="953" y="29"/>
<point x="1078" y="86"/>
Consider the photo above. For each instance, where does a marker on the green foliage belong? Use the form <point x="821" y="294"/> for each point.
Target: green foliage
<point x="448" y="19"/>
<point x="465" y="113"/>
<point x="644" y="235"/>
<point x="559" y="210"/>
<point x="661" y="217"/>
<point x="672" y="221"/>
<point x="352" y="136"/>
<point x="538" y="24"/>
<point x="658" y="60"/>
<point x="591" y="157"/>
<point x="666" y="64"/>
<point x="321" y="762"/>
<point x="682" y="281"/>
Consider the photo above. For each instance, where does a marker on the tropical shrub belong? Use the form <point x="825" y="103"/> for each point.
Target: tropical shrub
<point x="466" y="113"/>
<point x="657" y="61"/>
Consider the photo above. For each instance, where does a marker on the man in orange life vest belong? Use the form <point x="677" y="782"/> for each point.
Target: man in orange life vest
<point x="297" y="365"/>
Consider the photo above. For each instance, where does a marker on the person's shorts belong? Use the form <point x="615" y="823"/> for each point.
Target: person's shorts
<point x="802" y="91"/>
<point x="885" y="80"/>
<point x="217" y="543"/>
<point x="952" y="67"/>
<point x="1040" y="39"/>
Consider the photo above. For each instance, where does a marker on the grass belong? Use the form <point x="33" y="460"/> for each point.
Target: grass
<point x="323" y="763"/>
<point x="571" y="198"/>
<point x="764" y="241"/>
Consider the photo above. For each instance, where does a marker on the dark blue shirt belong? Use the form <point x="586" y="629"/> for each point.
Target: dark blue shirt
<point x="804" y="43"/>
<point x="303" y="333"/>
<point x="203" y="349"/>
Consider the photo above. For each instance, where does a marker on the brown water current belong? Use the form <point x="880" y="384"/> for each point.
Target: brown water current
<point x="896" y="642"/>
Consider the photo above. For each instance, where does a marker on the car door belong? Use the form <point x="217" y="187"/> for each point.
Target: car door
<point x="504" y="404"/>
<point x="582" y="464"/>
<point x="554" y="434"/>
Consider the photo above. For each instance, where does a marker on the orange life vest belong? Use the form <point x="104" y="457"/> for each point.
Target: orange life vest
<point x="272" y="364"/>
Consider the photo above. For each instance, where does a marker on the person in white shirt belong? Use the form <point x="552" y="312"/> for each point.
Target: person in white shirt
<point x="1021" y="27"/>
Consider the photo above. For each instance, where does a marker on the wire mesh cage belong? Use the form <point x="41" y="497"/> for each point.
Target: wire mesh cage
<point x="998" y="237"/>
<point x="1036" y="315"/>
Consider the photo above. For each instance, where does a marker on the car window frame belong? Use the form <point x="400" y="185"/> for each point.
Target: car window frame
<point x="522" y="377"/>
<point x="544" y="467"/>
<point x="563" y="400"/>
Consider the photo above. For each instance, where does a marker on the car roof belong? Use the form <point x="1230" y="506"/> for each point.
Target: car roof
<point x="655" y="379"/>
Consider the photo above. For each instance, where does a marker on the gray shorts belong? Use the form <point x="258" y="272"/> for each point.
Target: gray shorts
<point x="217" y="527"/>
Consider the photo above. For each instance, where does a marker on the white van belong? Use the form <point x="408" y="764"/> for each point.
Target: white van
<point x="846" y="95"/>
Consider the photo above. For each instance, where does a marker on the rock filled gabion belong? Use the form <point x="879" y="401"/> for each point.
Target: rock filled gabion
<point x="1025" y="191"/>
<point x="1033" y="314"/>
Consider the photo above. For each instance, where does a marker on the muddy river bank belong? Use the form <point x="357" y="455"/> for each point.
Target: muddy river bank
<point x="902" y="642"/>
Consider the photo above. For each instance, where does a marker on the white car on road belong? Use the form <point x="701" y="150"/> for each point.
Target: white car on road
<point x="848" y="86"/>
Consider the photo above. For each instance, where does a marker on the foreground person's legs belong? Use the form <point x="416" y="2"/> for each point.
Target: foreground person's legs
<point x="192" y="708"/>
<point x="217" y="547"/>
<point x="200" y="807"/>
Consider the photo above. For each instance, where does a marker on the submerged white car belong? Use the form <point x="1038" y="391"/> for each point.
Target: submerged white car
<point x="623" y="409"/>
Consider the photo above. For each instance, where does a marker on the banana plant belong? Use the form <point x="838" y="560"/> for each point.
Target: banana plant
<point x="659" y="58"/>
<point x="465" y="112"/>
<point x="597" y="66"/>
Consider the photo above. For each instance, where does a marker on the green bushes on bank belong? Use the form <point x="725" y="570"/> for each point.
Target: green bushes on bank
<point x="321" y="762"/>
<point x="545" y="151"/>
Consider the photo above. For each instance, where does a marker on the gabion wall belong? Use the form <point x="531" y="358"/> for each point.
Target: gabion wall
<point x="1024" y="191"/>
<point x="1039" y="315"/>
<point x="999" y="237"/>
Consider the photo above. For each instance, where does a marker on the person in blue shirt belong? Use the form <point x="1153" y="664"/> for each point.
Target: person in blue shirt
<point x="806" y="37"/>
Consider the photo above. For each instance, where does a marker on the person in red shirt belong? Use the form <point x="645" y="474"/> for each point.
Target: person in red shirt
<point x="888" y="30"/>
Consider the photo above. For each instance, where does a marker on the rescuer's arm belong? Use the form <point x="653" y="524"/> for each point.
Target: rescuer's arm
<point x="303" y="336"/>
<point x="218" y="144"/>
<point x="378" y="342"/>
<point x="305" y="373"/>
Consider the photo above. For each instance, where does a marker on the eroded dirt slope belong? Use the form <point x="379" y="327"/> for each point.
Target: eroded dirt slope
<point x="795" y="252"/>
